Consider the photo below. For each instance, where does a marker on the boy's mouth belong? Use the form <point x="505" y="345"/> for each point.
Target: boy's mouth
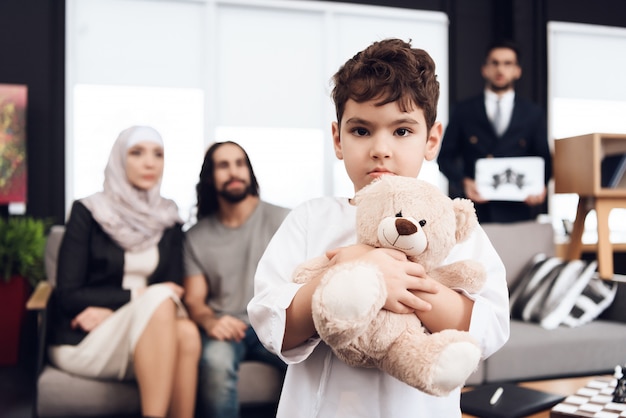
<point x="380" y="173"/>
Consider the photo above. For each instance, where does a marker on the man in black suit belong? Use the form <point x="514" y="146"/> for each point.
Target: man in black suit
<point x="496" y="123"/>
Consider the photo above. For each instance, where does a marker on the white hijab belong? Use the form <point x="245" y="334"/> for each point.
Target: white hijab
<point x="135" y="219"/>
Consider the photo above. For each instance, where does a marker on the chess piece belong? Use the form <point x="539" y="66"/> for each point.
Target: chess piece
<point x="619" y="394"/>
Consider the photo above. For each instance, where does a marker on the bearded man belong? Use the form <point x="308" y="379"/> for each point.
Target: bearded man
<point x="221" y="253"/>
<point x="496" y="123"/>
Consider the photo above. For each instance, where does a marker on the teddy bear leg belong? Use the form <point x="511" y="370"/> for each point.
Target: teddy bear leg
<point x="346" y="301"/>
<point x="438" y="362"/>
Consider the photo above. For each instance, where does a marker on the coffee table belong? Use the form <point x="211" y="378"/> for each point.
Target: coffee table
<point x="565" y="386"/>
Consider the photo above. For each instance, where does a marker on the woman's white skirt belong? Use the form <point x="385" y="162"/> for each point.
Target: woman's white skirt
<point x="107" y="351"/>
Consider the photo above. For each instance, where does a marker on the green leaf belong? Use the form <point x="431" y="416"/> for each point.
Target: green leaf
<point x="22" y="246"/>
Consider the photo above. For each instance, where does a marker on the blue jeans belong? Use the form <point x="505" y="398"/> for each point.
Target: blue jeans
<point x="219" y="373"/>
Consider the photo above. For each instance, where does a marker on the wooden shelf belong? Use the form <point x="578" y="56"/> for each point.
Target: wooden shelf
<point x="578" y="169"/>
<point x="578" y="164"/>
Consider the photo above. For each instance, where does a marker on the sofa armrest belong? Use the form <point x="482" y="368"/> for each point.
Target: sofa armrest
<point x="39" y="298"/>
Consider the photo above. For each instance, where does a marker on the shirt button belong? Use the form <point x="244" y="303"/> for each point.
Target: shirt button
<point x="473" y="139"/>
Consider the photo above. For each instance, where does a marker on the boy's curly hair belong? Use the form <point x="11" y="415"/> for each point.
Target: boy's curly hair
<point x="392" y="71"/>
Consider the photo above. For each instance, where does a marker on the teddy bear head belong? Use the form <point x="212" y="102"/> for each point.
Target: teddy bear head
<point x="412" y="216"/>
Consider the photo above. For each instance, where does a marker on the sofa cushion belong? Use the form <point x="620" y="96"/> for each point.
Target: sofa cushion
<point x="62" y="394"/>
<point x="533" y="352"/>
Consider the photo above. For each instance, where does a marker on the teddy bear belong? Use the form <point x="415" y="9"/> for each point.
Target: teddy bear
<point x="415" y="217"/>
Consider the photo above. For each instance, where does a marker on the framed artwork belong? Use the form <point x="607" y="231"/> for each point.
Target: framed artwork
<point x="13" y="172"/>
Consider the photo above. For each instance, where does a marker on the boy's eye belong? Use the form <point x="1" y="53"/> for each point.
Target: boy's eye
<point x="360" y="131"/>
<point x="402" y="132"/>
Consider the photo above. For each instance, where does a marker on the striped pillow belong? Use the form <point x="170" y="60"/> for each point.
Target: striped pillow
<point x="552" y="292"/>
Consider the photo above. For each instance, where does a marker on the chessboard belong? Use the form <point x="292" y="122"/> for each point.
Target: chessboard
<point x="595" y="400"/>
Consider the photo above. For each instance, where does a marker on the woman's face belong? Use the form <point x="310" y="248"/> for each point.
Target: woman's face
<point x="144" y="164"/>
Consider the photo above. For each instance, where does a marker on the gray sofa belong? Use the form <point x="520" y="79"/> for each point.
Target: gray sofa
<point x="60" y="394"/>
<point x="534" y="353"/>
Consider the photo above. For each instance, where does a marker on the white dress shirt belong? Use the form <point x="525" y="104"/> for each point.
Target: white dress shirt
<point x="506" y="108"/>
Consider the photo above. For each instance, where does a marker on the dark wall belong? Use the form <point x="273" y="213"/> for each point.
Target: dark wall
<point x="32" y="41"/>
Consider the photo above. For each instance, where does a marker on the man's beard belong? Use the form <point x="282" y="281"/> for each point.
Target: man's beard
<point x="234" y="196"/>
<point x="504" y="87"/>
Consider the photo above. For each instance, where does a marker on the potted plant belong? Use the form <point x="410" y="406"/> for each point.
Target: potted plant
<point x="22" y="244"/>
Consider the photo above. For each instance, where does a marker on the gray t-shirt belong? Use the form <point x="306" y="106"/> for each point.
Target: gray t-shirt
<point x="228" y="257"/>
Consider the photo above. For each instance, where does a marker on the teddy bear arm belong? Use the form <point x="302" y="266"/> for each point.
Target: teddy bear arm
<point x="310" y="269"/>
<point x="469" y="275"/>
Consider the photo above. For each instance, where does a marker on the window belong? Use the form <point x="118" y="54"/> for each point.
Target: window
<point x="256" y="72"/>
<point x="587" y="92"/>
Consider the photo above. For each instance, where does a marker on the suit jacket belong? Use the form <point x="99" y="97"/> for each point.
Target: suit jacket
<point x="91" y="268"/>
<point x="470" y="136"/>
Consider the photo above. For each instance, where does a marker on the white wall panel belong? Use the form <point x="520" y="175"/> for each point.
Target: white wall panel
<point x="138" y="42"/>
<point x="270" y="67"/>
<point x="586" y="61"/>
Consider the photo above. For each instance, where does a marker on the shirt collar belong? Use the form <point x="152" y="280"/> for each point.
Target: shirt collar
<point x="507" y="97"/>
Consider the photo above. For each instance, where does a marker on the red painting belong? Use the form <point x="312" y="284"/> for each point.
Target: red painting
<point x="13" y="171"/>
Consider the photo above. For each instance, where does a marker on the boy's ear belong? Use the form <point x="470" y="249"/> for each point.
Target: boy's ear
<point x="337" y="141"/>
<point x="433" y="143"/>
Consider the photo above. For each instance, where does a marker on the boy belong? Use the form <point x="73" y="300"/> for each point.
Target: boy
<point x="386" y="100"/>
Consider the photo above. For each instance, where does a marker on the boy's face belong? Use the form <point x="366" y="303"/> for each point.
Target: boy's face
<point x="379" y="140"/>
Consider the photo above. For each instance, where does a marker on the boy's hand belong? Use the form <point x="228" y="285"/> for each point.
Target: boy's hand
<point x="347" y="254"/>
<point x="402" y="276"/>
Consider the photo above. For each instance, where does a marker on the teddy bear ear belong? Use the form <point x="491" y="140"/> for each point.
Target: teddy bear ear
<point x="466" y="219"/>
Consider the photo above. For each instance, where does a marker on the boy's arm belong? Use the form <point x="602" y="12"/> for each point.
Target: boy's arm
<point x="299" y="318"/>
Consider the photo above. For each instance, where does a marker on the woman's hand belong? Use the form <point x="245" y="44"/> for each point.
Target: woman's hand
<point x="90" y="318"/>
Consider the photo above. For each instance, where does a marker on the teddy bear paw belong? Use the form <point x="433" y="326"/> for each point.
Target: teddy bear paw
<point x="346" y="301"/>
<point x="454" y="365"/>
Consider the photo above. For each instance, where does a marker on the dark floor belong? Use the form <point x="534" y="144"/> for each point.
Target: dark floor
<point x="16" y="391"/>
<point x="17" y="380"/>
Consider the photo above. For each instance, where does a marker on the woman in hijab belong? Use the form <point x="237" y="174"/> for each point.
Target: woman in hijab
<point x="118" y="310"/>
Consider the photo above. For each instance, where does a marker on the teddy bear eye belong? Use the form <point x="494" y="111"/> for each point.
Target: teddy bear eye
<point x="399" y="214"/>
<point x="422" y="222"/>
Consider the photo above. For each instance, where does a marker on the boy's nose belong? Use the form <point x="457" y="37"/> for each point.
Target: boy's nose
<point x="380" y="148"/>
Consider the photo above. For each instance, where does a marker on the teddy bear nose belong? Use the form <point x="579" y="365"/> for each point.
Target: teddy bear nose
<point x="405" y="227"/>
